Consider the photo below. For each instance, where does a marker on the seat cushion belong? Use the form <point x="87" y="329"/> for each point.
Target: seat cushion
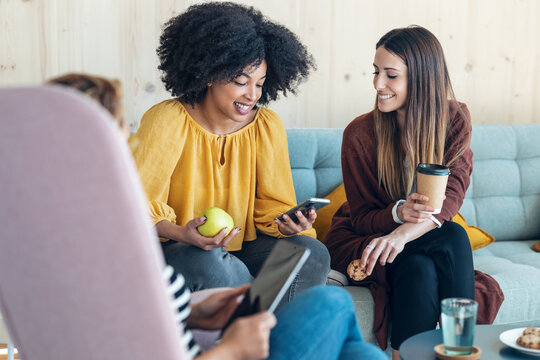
<point x="517" y="270"/>
<point x="364" y="308"/>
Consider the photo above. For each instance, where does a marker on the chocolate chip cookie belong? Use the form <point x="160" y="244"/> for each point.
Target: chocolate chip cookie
<point x="355" y="271"/>
<point x="529" y="341"/>
<point x="532" y="331"/>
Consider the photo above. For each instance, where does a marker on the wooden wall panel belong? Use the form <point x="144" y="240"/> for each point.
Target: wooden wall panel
<point x="492" y="49"/>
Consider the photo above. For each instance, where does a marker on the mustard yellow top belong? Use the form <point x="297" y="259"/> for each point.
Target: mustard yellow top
<point x="185" y="169"/>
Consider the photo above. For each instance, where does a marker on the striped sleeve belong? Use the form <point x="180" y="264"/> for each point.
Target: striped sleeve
<point x="181" y="295"/>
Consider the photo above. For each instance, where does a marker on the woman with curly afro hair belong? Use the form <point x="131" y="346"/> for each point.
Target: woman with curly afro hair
<point x="213" y="145"/>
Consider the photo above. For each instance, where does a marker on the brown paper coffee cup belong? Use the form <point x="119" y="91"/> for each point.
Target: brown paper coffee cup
<point x="431" y="180"/>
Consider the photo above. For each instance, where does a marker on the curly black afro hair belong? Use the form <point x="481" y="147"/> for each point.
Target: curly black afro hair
<point x="216" y="41"/>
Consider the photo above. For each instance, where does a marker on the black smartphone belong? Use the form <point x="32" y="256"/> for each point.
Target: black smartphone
<point x="304" y="207"/>
<point x="274" y="279"/>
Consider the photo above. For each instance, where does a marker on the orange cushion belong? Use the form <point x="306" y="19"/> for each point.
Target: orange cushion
<point x="478" y="237"/>
<point x="325" y="214"/>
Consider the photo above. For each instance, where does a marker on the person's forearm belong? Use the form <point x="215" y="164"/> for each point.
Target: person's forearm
<point x="169" y="230"/>
<point x="222" y="351"/>
<point x="411" y="231"/>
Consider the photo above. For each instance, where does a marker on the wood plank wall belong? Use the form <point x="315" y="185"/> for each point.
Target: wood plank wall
<point x="492" y="48"/>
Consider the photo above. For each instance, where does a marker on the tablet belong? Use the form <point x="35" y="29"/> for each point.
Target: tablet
<point x="274" y="279"/>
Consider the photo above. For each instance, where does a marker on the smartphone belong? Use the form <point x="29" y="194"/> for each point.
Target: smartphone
<point x="304" y="207"/>
<point x="274" y="279"/>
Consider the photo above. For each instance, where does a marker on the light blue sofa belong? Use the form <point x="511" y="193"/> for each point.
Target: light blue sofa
<point x="503" y="199"/>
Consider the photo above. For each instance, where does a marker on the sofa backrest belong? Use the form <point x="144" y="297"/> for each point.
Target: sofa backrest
<point x="315" y="156"/>
<point x="504" y="196"/>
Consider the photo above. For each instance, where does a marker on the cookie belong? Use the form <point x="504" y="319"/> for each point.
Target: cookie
<point x="529" y="341"/>
<point x="355" y="271"/>
<point x="532" y="331"/>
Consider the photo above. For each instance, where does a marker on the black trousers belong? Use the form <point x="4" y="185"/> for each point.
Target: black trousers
<point x="433" y="267"/>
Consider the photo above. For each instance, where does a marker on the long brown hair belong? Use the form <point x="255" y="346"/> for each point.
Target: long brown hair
<point x="422" y="138"/>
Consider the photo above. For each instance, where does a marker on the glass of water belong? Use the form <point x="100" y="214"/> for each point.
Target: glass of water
<point x="458" y="317"/>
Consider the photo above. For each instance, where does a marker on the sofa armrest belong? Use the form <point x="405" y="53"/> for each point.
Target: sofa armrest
<point x="336" y="278"/>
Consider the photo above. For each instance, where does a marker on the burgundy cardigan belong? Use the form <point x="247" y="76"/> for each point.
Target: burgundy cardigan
<point x="368" y="212"/>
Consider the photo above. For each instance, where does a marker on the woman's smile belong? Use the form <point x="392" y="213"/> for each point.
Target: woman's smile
<point x="243" y="108"/>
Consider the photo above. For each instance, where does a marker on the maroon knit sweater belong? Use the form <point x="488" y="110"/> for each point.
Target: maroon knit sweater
<point x="368" y="212"/>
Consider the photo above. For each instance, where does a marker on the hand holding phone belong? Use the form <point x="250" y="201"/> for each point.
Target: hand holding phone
<point x="304" y="207"/>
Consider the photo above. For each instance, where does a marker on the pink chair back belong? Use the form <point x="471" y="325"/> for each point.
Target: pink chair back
<point x="80" y="263"/>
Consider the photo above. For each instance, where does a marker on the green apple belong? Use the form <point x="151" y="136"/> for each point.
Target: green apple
<point x="216" y="220"/>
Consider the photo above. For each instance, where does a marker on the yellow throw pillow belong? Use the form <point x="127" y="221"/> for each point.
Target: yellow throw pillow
<point x="325" y="214"/>
<point x="478" y="237"/>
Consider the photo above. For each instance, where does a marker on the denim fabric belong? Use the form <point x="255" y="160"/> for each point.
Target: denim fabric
<point x="313" y="272"/>
<point x="205" y="269"/>
<point x="320" y="324"/>
<point x="219" y="268"/>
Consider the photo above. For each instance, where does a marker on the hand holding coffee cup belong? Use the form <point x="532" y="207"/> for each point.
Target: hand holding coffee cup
<point x="413" y="211"/>
<point x="431" y="180"/>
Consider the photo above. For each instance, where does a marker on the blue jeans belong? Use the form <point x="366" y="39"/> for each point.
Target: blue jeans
<point x="320" y="324"/>
<point x="204" y="269"/>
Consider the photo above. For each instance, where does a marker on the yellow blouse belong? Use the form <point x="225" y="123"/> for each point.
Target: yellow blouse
<point x="185" y="169"/>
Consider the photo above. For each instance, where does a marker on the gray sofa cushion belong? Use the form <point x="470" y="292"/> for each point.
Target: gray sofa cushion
<point x="517" y="270"/>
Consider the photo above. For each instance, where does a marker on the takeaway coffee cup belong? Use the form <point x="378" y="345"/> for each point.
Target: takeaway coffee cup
<point x="431" y="180"/>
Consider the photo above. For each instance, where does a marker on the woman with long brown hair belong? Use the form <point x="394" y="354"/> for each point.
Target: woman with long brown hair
<point x="413" y="257"/>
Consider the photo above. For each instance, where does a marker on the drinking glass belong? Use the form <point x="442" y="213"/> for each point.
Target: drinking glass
<point x="458" y="317"/>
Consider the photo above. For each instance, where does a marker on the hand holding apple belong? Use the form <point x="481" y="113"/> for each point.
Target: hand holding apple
<point x="216" y="220"/>
<point x="189" y="234"/>
<point x="215" y="228"/>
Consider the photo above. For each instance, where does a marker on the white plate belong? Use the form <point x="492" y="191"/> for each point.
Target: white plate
<point x="509" y="338"/>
